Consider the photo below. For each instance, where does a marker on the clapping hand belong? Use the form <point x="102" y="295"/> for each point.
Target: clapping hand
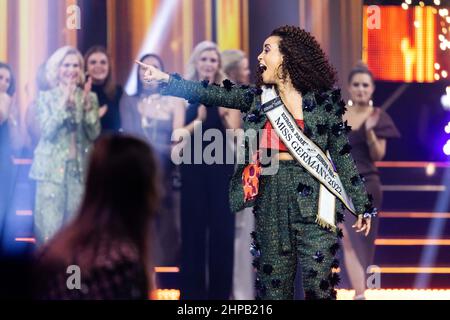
<point x="86" y="90"/>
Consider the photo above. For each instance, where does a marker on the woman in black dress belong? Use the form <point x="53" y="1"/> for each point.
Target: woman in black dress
<point x="207" y="223"/>
<point x="371" y="127"/>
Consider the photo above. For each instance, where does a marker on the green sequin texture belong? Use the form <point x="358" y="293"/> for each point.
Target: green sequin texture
<point x="282" y="238"/>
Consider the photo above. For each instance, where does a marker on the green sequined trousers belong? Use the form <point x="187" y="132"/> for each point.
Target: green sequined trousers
<point x="57" y="203"/>
<point x="285" y="234"/>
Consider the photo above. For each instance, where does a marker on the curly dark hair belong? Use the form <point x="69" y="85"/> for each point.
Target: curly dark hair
<point x="303" y="60"/>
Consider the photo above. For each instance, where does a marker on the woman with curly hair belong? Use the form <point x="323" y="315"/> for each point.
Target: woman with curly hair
<point x="295" y="216"/>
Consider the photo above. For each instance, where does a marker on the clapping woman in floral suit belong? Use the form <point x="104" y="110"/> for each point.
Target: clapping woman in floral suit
<point x="69" y="123"/>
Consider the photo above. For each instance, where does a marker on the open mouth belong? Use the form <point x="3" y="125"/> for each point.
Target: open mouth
<point x="262" y="67"/>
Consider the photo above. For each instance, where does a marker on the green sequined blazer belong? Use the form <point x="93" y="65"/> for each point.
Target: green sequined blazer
<point x="52" y="151"/>
<point x="322" y="113"/>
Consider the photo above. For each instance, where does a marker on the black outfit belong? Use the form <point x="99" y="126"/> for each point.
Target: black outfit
<point x="207" y="222"/>
<point x="385" y="129"/>
<point x="6" y="174"/>
<point x="111" y="120"/>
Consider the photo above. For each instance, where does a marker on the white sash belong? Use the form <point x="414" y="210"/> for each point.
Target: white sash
<point x="310" y="156"/>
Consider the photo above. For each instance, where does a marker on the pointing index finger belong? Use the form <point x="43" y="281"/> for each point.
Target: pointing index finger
<point x="141" y="64"/>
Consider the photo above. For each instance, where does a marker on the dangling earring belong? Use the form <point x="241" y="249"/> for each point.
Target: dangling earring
<point x="371" y="102"/>
<point x="350" y="103"/>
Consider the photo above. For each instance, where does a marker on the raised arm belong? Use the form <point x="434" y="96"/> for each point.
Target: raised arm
<point x="209" y="95"/>
<point x="228" y="95"/>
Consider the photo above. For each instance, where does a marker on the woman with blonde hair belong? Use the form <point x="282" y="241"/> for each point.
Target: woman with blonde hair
<point x="205" y="64"/>
<point x="235" y="66"/>
<point x="69" y="123"/>
<point x="207" y="223"/>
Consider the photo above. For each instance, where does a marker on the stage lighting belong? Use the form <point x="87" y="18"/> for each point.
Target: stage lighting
<point x="446" y="148"/>
<point x="447" y="128"/>
<point x="153" y="39"/>
<point x="430" y="169"/>
<point x="445" y="100"/>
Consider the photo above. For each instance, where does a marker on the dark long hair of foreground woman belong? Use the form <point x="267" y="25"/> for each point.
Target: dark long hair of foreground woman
<point x="109" y="238"/>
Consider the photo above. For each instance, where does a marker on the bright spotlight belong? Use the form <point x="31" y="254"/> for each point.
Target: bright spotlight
<point x="446" y="148"/>
<point x="153" y="39"/>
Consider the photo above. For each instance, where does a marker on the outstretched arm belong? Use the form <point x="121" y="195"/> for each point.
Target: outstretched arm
<point x="202" y="92"/>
